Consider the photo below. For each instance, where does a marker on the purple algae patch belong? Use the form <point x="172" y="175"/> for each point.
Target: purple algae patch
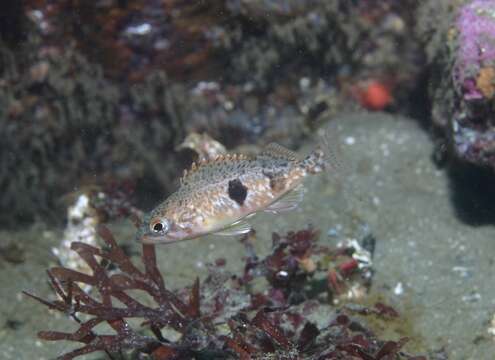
<point x="476" y="41"/>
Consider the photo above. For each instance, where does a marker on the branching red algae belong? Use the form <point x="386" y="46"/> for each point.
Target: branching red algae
<point x="170" y="311"/>
<point x="221" y="326"/>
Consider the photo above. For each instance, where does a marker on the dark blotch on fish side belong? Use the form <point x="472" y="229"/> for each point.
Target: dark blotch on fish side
<point x="237" y="191"/>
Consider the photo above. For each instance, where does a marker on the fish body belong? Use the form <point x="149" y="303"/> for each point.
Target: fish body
<point x="217" y="196"/>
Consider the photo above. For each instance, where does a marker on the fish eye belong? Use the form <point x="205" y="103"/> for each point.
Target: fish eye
<point x="160" y="226"/>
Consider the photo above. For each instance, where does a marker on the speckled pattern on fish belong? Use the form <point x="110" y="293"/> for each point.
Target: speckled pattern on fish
<point x="217" y="196"/>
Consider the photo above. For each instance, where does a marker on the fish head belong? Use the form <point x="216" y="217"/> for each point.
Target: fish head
<point x="167" y="227"/>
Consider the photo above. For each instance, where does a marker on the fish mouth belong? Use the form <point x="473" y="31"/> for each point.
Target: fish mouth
<point x="158" y="239"/>
<point x="148" y="239"/>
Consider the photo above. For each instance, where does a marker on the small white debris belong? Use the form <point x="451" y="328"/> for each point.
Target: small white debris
<point x="248" y="87"/>
<point x="376" y="200"/>
<point x="462" y="271"/>
<point x="205" y="86"/>
<point x="350" y="140"/>
<point x="472" y="297"/>
<point x="82" y="222"/>
<point x="304" y="109"/>
<point x="36" y="14"/>
<point x="361" y="255"/>
<point x="161" y="44"/>
<point x="385" y="149"/>
<point x="304" y="83"/>
<point x="203" y="144"/>
<point x="399" y="289"/>
<point x="455" y="126"/>
<point x="491" y="328"/>
<point x="332" y="232"/>
<point x="335" y="231"/>
<point x="356" y="291"/>
<point x="79" y="209"/>
<point x="141" y="29"/>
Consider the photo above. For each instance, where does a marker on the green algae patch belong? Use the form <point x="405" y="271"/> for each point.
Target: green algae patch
<point x="381" y="318"/>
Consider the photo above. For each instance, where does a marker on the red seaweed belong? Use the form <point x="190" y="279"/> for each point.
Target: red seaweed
<point x="259" y="324"/>
<point x="170" y="310"/>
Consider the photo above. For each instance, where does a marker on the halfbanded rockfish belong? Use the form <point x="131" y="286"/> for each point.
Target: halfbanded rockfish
<point x="218" y="196"/>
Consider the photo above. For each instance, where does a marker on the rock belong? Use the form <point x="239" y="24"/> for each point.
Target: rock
<point x="460" y="44"/>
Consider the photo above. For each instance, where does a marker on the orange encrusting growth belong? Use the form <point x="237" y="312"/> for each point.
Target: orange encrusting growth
<point x="374" y="95"/>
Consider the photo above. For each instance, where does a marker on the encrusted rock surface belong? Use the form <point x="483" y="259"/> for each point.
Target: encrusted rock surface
<point x="459" y="40"/>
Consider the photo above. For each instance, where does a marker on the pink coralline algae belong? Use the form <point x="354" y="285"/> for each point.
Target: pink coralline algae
<point x="470" y="107"/>
<point x="476" y="26"/>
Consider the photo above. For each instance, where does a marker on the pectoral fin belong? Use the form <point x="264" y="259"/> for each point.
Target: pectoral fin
<point x="288" y="202"/>
<point x="237" y="228"/>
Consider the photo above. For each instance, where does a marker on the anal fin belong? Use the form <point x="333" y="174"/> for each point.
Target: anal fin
<point x="238" y="228"/>
<point x="288" y="202"/>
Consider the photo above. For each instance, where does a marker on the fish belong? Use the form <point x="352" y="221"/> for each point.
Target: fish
<point x="218" y="196"/>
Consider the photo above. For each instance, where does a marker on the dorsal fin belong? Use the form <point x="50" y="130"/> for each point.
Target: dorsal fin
<point x="278" y="151"/>
<point x="219" y="158"/>
<point x="195" y="166"/>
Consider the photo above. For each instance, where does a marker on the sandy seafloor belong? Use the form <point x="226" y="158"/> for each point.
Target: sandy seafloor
<point x="444" y="265"/>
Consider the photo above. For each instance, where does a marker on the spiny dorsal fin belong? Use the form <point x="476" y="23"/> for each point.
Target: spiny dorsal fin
<point x="230" y="157"/>
<point x="276" y="150"/>
<point x="219" y="158"/>
<point x="187" y="173"/>
<point x="195" y="166"/>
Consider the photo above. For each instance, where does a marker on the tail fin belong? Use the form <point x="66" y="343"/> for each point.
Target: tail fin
<point x="328" y="158"/>
<point x="327" y="155"/>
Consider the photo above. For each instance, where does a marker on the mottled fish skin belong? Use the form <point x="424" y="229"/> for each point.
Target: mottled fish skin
<point x="216" y="195"/>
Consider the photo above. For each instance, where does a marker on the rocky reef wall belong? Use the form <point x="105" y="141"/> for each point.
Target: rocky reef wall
<point x="459" y="39"/>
